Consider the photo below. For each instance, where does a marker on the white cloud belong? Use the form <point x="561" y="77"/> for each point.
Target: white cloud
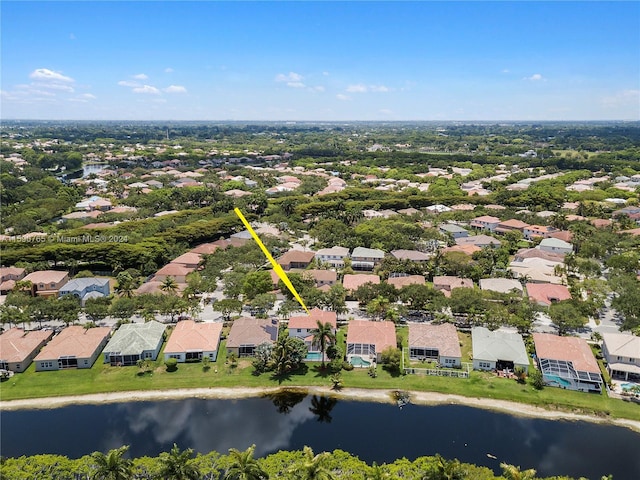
<point x="359" y="88"/>
<point x="88" y="96"/>
<point x="291" y="77"/>
<point x="296" y="84"/>
<point x="536" y="77"/>
<point x="505" y="70"/>
<point x="623" y="98"/>
<point x="379" y="88"/>
<point x="175" y="89"/>
<point x="50" y="76"/>
<point x="318" y="88"/>
<point x="148" y="89"/>
<point x="83" y="98"/>
<point x="343" y="97"/>
<point x="54" y="86"/>
<point x="168" y="70"/>
<point x="326" y="74"/>
<point x="140" y="76"/>
<point x="128" y="83"/>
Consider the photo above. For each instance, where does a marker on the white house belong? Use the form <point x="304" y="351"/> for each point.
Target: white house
<point x="555" y="245"/>
<point x="498" y="350"/>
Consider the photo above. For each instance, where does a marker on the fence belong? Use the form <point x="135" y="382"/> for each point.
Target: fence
<point x="438" y="372"/>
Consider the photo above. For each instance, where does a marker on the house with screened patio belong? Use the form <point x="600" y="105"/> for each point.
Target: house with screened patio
<point x="438" y="343"/>
<point x="567" y="362"/>
<point x="192" y="341"/>
<point x="133" y="342"/>
<point x="366" y="340"/>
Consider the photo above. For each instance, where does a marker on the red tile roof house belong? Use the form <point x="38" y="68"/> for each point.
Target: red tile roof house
<point x="399" y="282"/>
<point x="352" y="281"/>
<point x="247" y="333"/>
<point x="435" y="342"/>
<point x="546" y="293"/>
<point x="46" y="283"/>
<point x="192" y="341"/>
<point x="175" y="270"/>
<point x="8" y="278"/>
<point x="18" y="348"/>
<point x="189" y="260"/>
<point x="296" y="259"/>
<point x="509" y="225"/>
<point x="367" y="340"/>
<point x="567" y="362"/>
<point x="538" y="231"/>
<point x="73" y="347"/>
<point x="321" y="277"/>
<point x="302" y="326"/>
<point x="447" y="283"/>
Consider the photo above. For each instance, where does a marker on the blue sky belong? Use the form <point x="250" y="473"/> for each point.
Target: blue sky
<point x="327" y="61"/>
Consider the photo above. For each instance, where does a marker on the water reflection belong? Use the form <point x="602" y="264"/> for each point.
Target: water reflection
<point x="374" y="432"/>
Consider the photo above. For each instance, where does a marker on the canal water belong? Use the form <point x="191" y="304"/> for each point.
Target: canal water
<point x="372" y="431"/>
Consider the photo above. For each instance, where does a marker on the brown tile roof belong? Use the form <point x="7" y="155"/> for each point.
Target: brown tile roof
<point x="545" y="293"/>
<point x="174" y="269"/>
<point x="413" y="255"/>
<point x="380" y="334"/>
<point x="468" y="249"/>
<point x="570" y="349"/>
<point x="205" y="248"/>
<point x="601" y="222"/>
<point x="400" y="282"/>
<point x="512" y="224"/>
<point x="74" y="341"/>
<point x="446" y="283"/>
<point x="537" y="253"/>
<point x="189" y="258"/>
<point x="563" y="235"/>
<point x="252" y="331"/>
<point x="16" y="345"/>
<point x="352" y="281"/>
<point x="46" y="276"/>
<point x="189" y="335"/>
<point x="311" y="321"/>
<point x="11" y="272"/>
<point x="444" y="337"/>
<point x="321" y="275"/>
<point x="296" y="256"/>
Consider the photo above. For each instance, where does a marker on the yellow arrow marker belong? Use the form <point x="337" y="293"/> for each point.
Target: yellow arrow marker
<point x="276" y="266"/>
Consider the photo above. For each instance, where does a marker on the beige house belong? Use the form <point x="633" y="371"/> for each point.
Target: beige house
<point x="8" y="278"/>
<point x="175" y="270"/>
<point x="73" y="347"/>
<point x="47" y="283"/>
<point x="435" y="342"/>
<point x="18" y="348"/>
<point x="192" y="341"/>
<point x="446" y="283"/>
<point x="248" y="332"/>
<point x="366" y="340"/>
<point x="302" y="326"/>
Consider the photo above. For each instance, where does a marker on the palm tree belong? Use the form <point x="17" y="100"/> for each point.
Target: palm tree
<point x="377" y="473"/>
<point x="112" y="466"/>
<point x="323" y="335"/>
<point x="244" y="466"/>
<point x="321" y="407"/>
<point x="511" y="472"/>
<point x="312" y="466"/>
<point x="447" y="469"/>
<point x="169" y="285"/>
<point x="177" y="465"/>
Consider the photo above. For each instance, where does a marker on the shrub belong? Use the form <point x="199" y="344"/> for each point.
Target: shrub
<point x="347" y="366"/>
<point x="535" y="377"/>
<point x="171" y="364"/>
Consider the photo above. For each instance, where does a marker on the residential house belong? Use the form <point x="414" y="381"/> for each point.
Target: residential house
<point x="538" y="270"/>
<point x="133" y="342"/>
<point x="18" y="347"/>
<point x="404" y="280"/>
<point x="366" y="258"/>
<point x="74" y="347"/>
<point x="174" y="270"/>
<point x="192" y="341"/>
<point x="546" y="293"/>
<point x="190" y="260"/>
<point x="86" y="288"/>
<point x="453" y="230"/>
<point x="47" y="283"/>
<point x="555" y="245"/>
<point x="8" y="278"/>
<point x="622" y="353"/>
<point x="485" y="222"/>
<point x="410" y="255"/>
<point x="366" y="340"/>
<point x="435" y="342"/>
<point x="567" y="362"/>
<point x="321" y="278"/>
<point x="498" y="350"/>
<point x="537" y="231"/>
<point x="302" y="326"/>
<point x="480" y="241"/>
<point x="333" y="256"/>
<point x="351" y="281"/>
<point x="206" y="248"/>
<point x="501" y="285"/>
<point x="248" y="332"/>
<point x="296" y="259"/>
<point x="446" y="283"/>
<point x="510" y="225"/>
<point x="467" y="249"/>
<point x="524" y="253"/>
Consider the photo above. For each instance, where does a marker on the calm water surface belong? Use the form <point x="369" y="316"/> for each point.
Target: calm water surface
<point x="374" y="432"/>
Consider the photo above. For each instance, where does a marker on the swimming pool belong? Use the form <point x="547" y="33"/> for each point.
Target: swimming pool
<point x="628" y="386"/>
<point x="359" y="361"/>
<point x="314" y="357"/>
<point x="559" y="380"/>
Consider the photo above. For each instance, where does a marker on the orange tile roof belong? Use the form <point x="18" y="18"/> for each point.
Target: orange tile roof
<point x="545" y="293"/>
<point x="174" y="269"/>
<point x="252" y="331"/>
<point x="352" y="281"/>
<point x="570" y="349"/>
<point x="400" y="282"/>
<point x="205" y="248"/>
<point x="468" y="249"/>
<point x="380" y="334"/>
<point x="311" y="321"/>
<point x="46" y="276"/>
<point x="16" y="345"/>
<point x="189" y="335"/>
<point x="74" y="341"/>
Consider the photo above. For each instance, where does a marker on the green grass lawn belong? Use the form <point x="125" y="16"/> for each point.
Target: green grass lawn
<point x="103" y="378"/>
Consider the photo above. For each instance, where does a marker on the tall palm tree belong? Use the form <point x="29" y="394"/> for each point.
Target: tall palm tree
<point x="323" y="335"/>
<point x="321" y="407"/>
<point x="177" y="465"/>
<point x="511" y="472"/>
<point x="312" y="467"/>
<point x="169" y="285"/>
<point x="112" y="466"/>
<point x="244" y="466"/>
